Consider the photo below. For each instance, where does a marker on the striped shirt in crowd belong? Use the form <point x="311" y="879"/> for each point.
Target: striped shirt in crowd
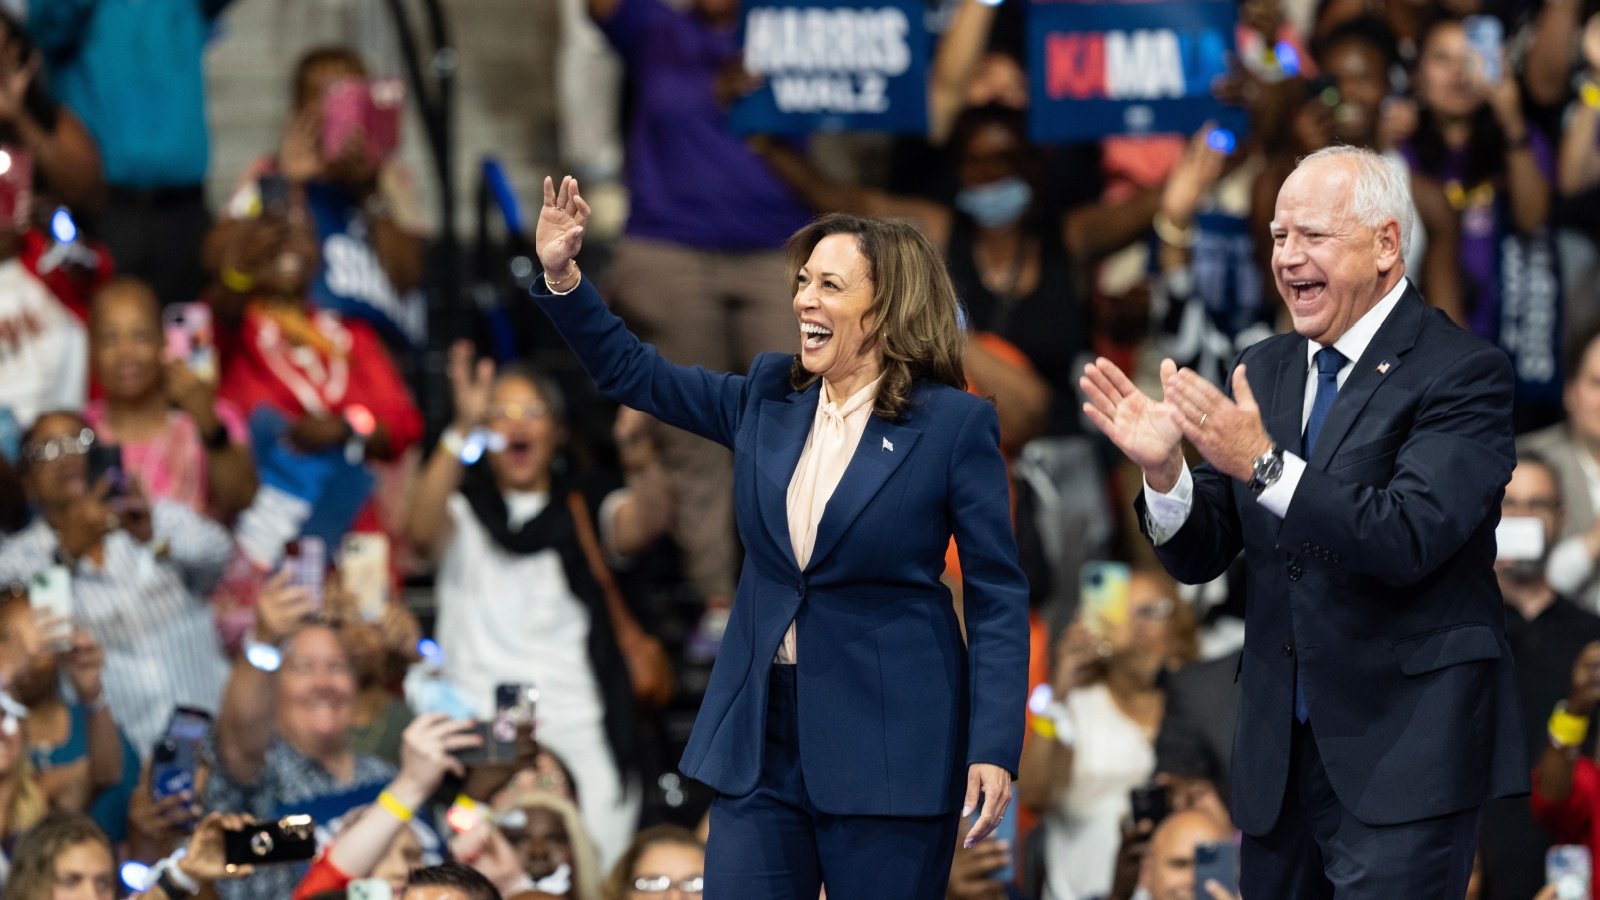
<point x="146" y="607"/>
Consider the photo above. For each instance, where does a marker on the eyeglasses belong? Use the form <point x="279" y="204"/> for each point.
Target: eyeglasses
<point x="59" y="447"/>
<point x="660" y="884"/>
<point x="1534" y="506"/>
<point x="515" y="412"/>
<point x="1156" y="611"/>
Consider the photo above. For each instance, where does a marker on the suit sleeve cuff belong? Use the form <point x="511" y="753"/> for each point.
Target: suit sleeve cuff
<point x="1278" y="495"/>
<point x="1166" y="513"/>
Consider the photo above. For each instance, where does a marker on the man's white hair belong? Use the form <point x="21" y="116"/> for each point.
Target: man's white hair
<point x="1380" y="188"/>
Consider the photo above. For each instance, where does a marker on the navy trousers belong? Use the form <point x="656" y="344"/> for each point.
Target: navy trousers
<point x="1319" y="851"/>
<point x="773" y="844"/>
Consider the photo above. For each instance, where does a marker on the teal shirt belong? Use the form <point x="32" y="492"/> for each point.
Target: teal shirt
<point x="133" y="71"/>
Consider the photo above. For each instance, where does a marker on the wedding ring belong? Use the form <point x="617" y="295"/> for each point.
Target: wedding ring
<point x="1203" y="419"/>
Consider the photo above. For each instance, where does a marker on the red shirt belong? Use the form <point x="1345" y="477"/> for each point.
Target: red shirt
<point x="345" y="365"/>
<point x="1575" y="820"/>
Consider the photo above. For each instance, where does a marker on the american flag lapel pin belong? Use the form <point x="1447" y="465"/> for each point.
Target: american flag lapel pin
<point x="888" y="446"/>
<point x="1383" y="367"/>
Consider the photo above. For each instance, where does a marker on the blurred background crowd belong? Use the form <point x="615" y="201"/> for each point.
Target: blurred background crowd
<point x="295" y="487"/>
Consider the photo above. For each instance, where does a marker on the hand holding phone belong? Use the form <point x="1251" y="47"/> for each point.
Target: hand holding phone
<point x="289" y="839"/>
<point x="1103" y="596"/>
<point x="1149" y="803"/>
<point x="1218" y="862"/>
<point x="1486" y="39"/>
<point x="306" y="560"/>
<point x="1568" y="867"/>
<point x="50" y="595"/>
<point x="189" y="339"/>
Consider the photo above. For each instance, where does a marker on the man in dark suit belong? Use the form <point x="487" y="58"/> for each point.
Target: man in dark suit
<point x="1378" y="710"/>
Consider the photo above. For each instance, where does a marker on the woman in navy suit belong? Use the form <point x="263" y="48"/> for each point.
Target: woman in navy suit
<point x="846" y="721"/>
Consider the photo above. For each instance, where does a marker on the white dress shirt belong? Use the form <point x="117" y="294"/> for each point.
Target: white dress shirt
<point x="1168" y="511"/>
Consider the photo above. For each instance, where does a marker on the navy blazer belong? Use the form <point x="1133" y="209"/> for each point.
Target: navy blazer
<point x="893" y="706"/>
<point x="1379" y="582"/>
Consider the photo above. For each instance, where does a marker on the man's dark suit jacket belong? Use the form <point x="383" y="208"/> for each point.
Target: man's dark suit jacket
<point x="1378" y="585"/>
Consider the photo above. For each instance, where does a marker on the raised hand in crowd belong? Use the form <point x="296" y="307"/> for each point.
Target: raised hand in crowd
<point x="426" y="757"/>
<point x="1192" y="179"/>
<point x="155" y="827"/>
<point x="1130" y="858"/>
<point x="299" y="157"/>
<point x="134" y="511"/>
<point x="471" y="385"/>
<point x="282" y="608"/>
<point x="89" y="518"/>
<point x="486" y="849"/>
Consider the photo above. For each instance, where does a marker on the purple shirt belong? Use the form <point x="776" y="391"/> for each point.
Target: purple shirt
<point x="690" y="179"/>
<point x="1484" y="219"/>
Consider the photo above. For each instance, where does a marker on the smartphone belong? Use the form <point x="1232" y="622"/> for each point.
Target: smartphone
<point x="1519" y="538"/>
<point x="189" y="339"/>
<point x="16" y="187"/>
<point x="369" y="889"/>
<point x="50" y="589"/>
<point x="1219" y="862"/>
<point x="105" y="461"/>
<point x="364" y="571"/>
<point x="1103" y="596"/>
<point x="515" y="704"/>
<point x="371" y="109"/>
<point x="1486" y="38"/>
<point x="307" y="561"/>
<point x="1221" y="140"/>
<point x="177" y="754"/>
<point x="289" y="839"/>
<point x="1568" y="867"/>
<point x="1149" y="802"/>
<point x="274" y="193"/>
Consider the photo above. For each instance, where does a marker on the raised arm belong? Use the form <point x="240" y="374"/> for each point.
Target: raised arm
<point x="624" y="368"/>
<point x="427" y="525"/>
<point x="954" y="63"/>
<point x="249" y="702"/>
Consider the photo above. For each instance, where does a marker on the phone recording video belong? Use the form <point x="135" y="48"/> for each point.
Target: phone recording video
<point x="289" y="839"/>
<point x="176" y="757"/>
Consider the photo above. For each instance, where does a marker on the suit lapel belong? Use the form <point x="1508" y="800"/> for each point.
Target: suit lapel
<point x="1377" y="364"/>
<point x="780" y="436"/>
<point x="884" y="445"/>
<point x="1288" y="396"/>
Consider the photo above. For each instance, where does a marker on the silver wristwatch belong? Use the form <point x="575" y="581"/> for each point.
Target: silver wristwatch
<point x="1266" y="469"/>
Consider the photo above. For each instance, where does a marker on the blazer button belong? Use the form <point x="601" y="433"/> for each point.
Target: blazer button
<point x="799" y="590"/>
<point x="1305" y="546"/>
<point x="1295" y="571"/>
<point x="1288" y="649"/>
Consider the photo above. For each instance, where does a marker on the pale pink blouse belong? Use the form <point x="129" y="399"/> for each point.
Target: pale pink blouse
<point x="835" y="432"/>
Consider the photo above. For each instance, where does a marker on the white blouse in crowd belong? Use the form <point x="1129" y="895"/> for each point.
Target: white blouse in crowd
<point x="835" y="432"/>
<point x="1113" y="756"/>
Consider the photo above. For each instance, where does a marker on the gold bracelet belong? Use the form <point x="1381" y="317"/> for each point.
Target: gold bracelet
<point x="394" y="807"/>
<point x="576" y="276"/>
<point x="1169" y="233"/>
<point x="1566" y="729"/>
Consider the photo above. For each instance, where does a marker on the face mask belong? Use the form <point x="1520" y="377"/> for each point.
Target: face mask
<point x="997" y="204"/>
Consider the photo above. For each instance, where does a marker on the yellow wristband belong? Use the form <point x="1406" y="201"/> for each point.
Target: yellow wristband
<point x="1567" y="729"/>
<point x="1589" y="93"/>
<point x="395" y="808"/>
<point x="235" y="280"/>
<point x="1043" y="727"/>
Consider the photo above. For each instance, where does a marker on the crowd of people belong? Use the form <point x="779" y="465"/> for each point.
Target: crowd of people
<point x="246" y="575"/>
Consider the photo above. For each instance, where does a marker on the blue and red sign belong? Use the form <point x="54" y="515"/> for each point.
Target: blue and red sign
<point x="1127" y="68"/>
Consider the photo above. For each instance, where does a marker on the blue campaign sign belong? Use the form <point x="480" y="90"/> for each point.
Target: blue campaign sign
<point x="1097" y="69"/>
<point x="835" y="65"/>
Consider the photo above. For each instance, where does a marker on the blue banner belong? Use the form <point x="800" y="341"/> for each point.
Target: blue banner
<point x="838" y="65"/>
<point x="1097" y="69"/>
